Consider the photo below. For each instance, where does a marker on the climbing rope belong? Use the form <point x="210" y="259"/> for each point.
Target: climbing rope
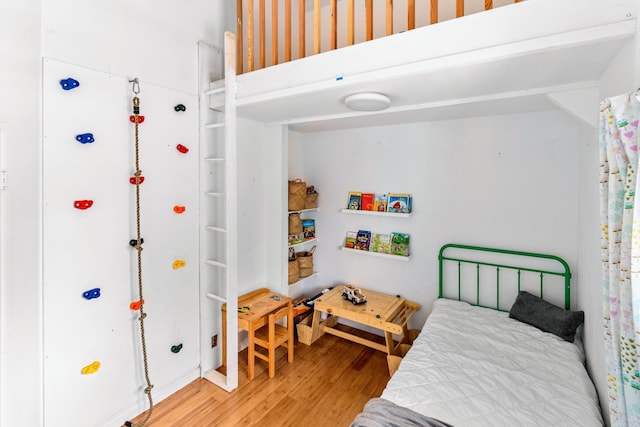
<point x="136" y="118"/>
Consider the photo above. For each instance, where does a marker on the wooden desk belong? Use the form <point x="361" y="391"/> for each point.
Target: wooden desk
<point x="381" y="311"/>
<point x="260" y="304"/>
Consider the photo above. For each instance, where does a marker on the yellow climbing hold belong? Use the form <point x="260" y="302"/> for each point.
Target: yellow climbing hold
<point x="179" y="263"/>
<point x="91" y="369"/>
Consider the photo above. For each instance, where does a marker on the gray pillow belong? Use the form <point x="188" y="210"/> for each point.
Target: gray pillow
<point x="545" y="316"/>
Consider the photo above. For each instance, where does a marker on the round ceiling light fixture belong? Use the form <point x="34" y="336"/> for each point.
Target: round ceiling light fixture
<point x="367" y="101"/>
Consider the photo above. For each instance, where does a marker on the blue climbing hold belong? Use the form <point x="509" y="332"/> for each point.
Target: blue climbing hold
<point x="85" y="138"/>
<point x="68" y="84"/>
<point x="176" y="348"/>
<point x="92" y="293"/>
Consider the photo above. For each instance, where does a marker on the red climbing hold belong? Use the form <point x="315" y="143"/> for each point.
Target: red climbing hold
<point x="179" y="209"/>
<point x="181" y="148"/>
<point x="132" y="119"/>
<point x="83" y="204"/>
<point x="132" y="180"/>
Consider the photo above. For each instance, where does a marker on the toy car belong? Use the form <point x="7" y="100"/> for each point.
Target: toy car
<point x="354" y="295"/>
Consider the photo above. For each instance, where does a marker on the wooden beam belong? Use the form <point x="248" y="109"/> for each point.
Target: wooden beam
<point x="488" y="4"/>
<point x="459" y="8"/>
<point x="316" y="27"/>
<point x="334" y="24"/>
<point x="389" y="15"/>
<point x="369" y="18"/>
<point x="251" y="48"/>
<point x="434" y="12"/>
<point x="287" y="30"/>
<point x="274" y="32"/>
<point x="239" y="47"/>
<point x="301" y="29"/>
<point x="350" y="28"/>
<point x="411" y="15"/>
<point x="263" y="42"/>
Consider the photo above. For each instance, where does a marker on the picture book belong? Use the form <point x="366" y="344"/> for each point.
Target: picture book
<point x="309" y="228"/>
<point x="363" y="239"/>
<point x="380" y="243"/>
<point x="399" y="203"/>
<point x="399" y="244"/>
<point x="351" y="239"/>
<point x="367" y="202"/>
<point x="355" y="200"/>
<point x="380" y="202"/>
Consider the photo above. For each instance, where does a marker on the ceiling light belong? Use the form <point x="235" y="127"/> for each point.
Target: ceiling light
<point x="367" y="101"/>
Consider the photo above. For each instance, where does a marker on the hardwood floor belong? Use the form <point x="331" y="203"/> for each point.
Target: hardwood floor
<point x="328" y="384"/>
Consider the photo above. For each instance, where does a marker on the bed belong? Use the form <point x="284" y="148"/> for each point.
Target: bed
<point x="474" y="365"/>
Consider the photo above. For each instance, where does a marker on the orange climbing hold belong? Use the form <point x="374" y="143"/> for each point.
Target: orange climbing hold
<point x="179" y="263"/>
<point x="136" y="304"/>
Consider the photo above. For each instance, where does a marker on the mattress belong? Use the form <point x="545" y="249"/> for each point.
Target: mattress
<point x="472" y="366"/>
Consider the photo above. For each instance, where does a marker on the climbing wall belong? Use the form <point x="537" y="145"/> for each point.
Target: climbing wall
<point x="93" y="371"/>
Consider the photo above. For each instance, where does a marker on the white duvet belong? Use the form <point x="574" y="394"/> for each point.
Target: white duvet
<point x="472" y="366"/>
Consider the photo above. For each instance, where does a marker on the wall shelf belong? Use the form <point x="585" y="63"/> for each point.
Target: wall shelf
<point x="303" y="243"/>
<point x="389" y="256"/>
<point x="303" y="210"/>
<point x="302" y="279"/>
<point x="375" y="213"/>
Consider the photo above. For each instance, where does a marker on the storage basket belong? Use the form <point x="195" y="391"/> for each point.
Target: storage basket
<point x="297" y="195"/>
<point x="294" y="271"/>
<point x="305" y="262"/>
<point x="311" y="201"/>
<point x="295" y="223"/>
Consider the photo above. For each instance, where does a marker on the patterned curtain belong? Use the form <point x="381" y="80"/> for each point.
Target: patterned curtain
<point x="620" y="243"/>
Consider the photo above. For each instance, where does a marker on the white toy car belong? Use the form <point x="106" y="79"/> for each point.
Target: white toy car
<point x="354" y="295"/>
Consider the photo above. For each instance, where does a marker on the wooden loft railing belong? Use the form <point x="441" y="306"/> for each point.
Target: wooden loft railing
<point x="434" y="8"/>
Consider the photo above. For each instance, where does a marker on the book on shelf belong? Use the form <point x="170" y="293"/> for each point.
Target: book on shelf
<point x="363" y="239"/>
<point x="380" y="202"/>
<point x="355" y="200"/>
<point x="367" y="202"/>
<point x="380" y="243"/>
<point x="351" y="239"/>
<point x="399" y="244"/>
<point x="399" y="203"/>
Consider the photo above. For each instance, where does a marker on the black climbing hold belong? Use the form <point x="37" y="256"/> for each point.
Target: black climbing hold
<point x="180" y="107"/>
<point x="134" y="242"/>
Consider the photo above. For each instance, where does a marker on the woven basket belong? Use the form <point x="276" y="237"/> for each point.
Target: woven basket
<point x="295" y="223"/>
<point x="297" y="195"/>
<point x="311" y="201"/>
<point x="294" y="271"/>
<point x="305" y="262"/>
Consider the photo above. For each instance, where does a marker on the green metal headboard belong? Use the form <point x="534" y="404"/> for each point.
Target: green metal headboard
<point x="563" y="266"/>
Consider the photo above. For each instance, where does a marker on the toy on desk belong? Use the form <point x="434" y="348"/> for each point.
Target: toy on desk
<point x="354" y="295"/>
<point x="244" y="309"/>
<point x="311" y="301"/>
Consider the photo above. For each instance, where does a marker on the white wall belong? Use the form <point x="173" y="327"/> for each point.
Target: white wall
<point x="20" y="268"/>
<point x="153" y="40"/>
<point x="504" y="181"/>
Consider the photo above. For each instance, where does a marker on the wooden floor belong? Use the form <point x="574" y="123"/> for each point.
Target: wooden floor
<point x="328" y="384"/>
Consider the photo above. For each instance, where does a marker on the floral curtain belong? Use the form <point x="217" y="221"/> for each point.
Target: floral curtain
<point x="620" y="243"/>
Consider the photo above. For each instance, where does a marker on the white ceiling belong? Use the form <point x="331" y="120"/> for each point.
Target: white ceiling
<point x="508" y="85"/>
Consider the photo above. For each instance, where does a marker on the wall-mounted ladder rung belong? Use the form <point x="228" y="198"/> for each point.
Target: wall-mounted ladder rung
<point x="215" y="159"/>
<point x="218" y="229"/>
<point x="214" y="194"/>
<point x="214" y="91"/>
<point x="215" y="263"/>
<point x="213" y="125"/>
<point x="215" y="297"/>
